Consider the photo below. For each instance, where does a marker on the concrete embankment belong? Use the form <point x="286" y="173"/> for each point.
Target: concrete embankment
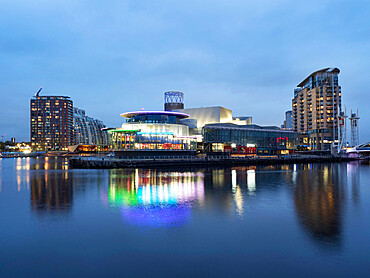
<point x="18" y="154"/>
<point x="108" y="163"/>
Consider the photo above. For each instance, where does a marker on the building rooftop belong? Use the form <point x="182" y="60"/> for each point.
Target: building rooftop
<point x="205" y="107"/>
<point x="334" y="70"/>
<point x="164" y="113"/>
<point x="40" y="97"/>
<point x="247" y="127"/>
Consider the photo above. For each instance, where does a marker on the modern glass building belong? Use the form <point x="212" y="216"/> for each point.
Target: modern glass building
<point x="87" y="130"/>
<point x="248" y="139"/>
<point x="154" y="130"/>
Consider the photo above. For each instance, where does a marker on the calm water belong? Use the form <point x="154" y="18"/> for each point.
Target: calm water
<point x="284" y="221"/>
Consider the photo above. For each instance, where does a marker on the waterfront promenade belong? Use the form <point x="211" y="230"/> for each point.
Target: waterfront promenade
<point x="98" y="162"/>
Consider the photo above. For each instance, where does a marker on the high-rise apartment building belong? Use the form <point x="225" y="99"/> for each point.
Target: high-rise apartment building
<point x="87" y="130"/>
<point x="51" y="123"/>
<point x="315" y="106"/>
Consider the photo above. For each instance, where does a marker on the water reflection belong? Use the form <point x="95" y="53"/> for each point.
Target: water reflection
<point x="237" y="193"/>
<point x="319" y="199"/>
<point x="354" y="180"/>
<point x="51" y="189"/>
<point x="50" y="163"/>
<point x="22" y="168"/>
<point x="226" y="188"/>
<point x="315" y="195"/>
<point x="155" y="198"/>
<point x="319" y="192"/>
<point x="251" y="181"/>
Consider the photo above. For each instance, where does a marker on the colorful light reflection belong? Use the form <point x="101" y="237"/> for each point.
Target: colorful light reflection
<point x="157" y="217"/>
<point x="153" y="198"/>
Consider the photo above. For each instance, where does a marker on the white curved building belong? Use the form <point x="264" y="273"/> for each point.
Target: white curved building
<point x="152" y="122"/>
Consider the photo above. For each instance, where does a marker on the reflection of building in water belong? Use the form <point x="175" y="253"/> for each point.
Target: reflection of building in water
<point x="155" y="198"/>
<point x="227" y="187"/>
<point x="237" y="193"/>
<point x="353" y="178"/>
<point x="318" y="200"/>
<point x="49" y="163"/>
<point x="251" y="180"/>
<point x="51" y="190"/>
<point x="22" y="173"/>
<point x="218" y="184"/>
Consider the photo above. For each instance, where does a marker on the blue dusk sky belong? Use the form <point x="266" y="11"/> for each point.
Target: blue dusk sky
<point x="114" y="56"/>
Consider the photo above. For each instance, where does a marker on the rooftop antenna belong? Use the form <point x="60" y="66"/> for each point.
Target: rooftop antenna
<point x="38" y="92"/>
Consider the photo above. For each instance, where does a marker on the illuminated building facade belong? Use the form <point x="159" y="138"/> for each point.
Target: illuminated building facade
<point x="248" y="139"/>
<point x="316" y="105"/>
<point x="152" y="130"/>
<point x="87" y="130"/>
<point x="199" y="117"/>
<point x="51" y="123"/>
